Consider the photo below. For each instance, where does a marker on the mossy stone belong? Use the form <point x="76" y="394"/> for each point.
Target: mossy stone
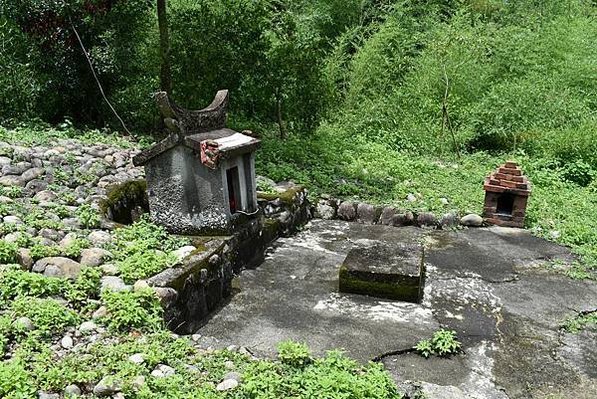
<point x="124" y="200"/>
<point x="392" y="271"/>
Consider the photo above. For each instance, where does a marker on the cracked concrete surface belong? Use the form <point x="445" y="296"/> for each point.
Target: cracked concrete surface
<point x="487" y="284"/>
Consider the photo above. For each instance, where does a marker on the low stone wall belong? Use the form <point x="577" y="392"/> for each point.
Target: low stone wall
<point x="201" y="282"/>
<point x="286" y="208"/>
<point x="331" y="209"/>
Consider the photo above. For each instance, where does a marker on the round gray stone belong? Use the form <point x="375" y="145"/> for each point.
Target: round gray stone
<point x="72" y="390"/>
<point x="227" y="385"/>
<point x="472" y="220"/>
<point x="94" y="256"/>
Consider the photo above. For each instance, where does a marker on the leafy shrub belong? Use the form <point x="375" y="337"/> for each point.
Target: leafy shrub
<point x="88" y="216"/>
<point x="132" y="310"/>
<point x="8" y="252"/>
<point x="294" y="354"/>
<point x="39" y="251"/>
<point x="38" y="219"/>
<point x="333" y="376"/>
<point x="12" y="191"/>
<point x="5" y="327"/>
<point x="73" y="249"/>
<point x="144" y="235"/>
<point x="425" y="348"/>
<point x="86" y="286"/>
<point x="49" y="316"/>
<point x="18" y="283"/>
<point x="581" y="321"/>
<point x="141" y="265"/>
<point x="579" y="172"/>
<point x="443" y="343"/>
<point x="15" y="382"/>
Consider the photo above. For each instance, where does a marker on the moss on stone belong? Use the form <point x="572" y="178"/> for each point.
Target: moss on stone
<point x="287" y="197"/>
<point x="123" y="198"/>
<point x="381" y="289"/>
<point x="199" y="249"/>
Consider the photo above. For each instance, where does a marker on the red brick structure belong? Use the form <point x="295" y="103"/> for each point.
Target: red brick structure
<point x="506" y="195"/>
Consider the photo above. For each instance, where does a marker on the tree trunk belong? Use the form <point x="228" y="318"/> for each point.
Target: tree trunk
<point x="165" y="72"/>
<point x="279" y="115"/>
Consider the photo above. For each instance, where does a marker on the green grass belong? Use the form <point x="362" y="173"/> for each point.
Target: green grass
<point x="559" y="209"/>
<point x="580" y="322"/>
<point x="42" y="134"/>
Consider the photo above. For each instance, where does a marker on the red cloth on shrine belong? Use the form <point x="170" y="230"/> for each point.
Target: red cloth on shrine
<point x="210" y="154"/>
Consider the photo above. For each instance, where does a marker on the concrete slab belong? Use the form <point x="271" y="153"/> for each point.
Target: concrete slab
<point x="484" y="283"/>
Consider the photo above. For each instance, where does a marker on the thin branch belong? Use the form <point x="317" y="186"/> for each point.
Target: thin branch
<point x="446" y="115"/>
<point x="99" y="85"/>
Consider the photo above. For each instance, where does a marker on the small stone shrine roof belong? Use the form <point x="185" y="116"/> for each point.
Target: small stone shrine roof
<point x="508" y="178"/>
<point x="198" y="130"/>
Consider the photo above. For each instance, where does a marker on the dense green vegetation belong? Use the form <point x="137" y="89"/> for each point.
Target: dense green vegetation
<point x="366" y="99"/>
<point x="196" y="372"/>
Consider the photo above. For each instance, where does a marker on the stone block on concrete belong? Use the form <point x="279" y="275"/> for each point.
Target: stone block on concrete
<point x="392" y="271"/>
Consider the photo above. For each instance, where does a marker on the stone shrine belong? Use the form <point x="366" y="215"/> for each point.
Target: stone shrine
<point x="201" y="177"/>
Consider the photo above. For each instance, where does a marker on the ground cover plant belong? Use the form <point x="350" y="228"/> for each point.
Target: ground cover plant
<point x="134" y="328"/>
<point x="395" y="102"/>
<point x="443" y="343"/>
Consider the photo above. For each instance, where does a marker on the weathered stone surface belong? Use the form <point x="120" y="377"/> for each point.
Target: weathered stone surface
<point x="385" y="271"/>
<point x="113" y="283"/>
<point x="449" y="220"/>
<point x="51" y="234"/>
<point x="163" y="370"/>
<point x="12" y="180"/>
<point x="183" y="252"/>
<point x="67" y="342"/>
<point x="24" y="323"/>
<point x="102" y="311"/>
<point x="426" y="219"/>
<point x="137" y="358"/>
<point x="45" y="195"/>
<point x="87" y="327"/>
<point x="325" y="211"/>
<point x="15" y="169"/>
<point x="32" y="173"/>
<point x="107" y="386"/>
<point x="94" y="256"/>
<point x="387" y="214"/>
<point x="99" y="238"/>
<point x="472" y="220"/>
<point x="11" y="219"/>
<point x="35" y="185"/>
<point x="487" y="284"/>
<point x="367" y="213"/>
<point x="403" y="219"/>
<point x="47" y="395"/>
<point x="72" y="390"/>
<point x="24" y="258"/>
<point x="347" y="211"/>
<point x="57" y="267"/>
<point x="68" y="240"/>
<point x="227" y="385"/>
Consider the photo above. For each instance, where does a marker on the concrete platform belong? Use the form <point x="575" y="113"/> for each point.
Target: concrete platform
<point x="488" y="284"/>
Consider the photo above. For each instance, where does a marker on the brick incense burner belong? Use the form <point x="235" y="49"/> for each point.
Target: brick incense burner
<point x="506" y="194"/>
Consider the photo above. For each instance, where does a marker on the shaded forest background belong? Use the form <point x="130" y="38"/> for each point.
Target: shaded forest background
<point x="424" y="76"/>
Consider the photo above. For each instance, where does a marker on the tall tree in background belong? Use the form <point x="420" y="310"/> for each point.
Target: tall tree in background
<point x="165" y="72"/>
